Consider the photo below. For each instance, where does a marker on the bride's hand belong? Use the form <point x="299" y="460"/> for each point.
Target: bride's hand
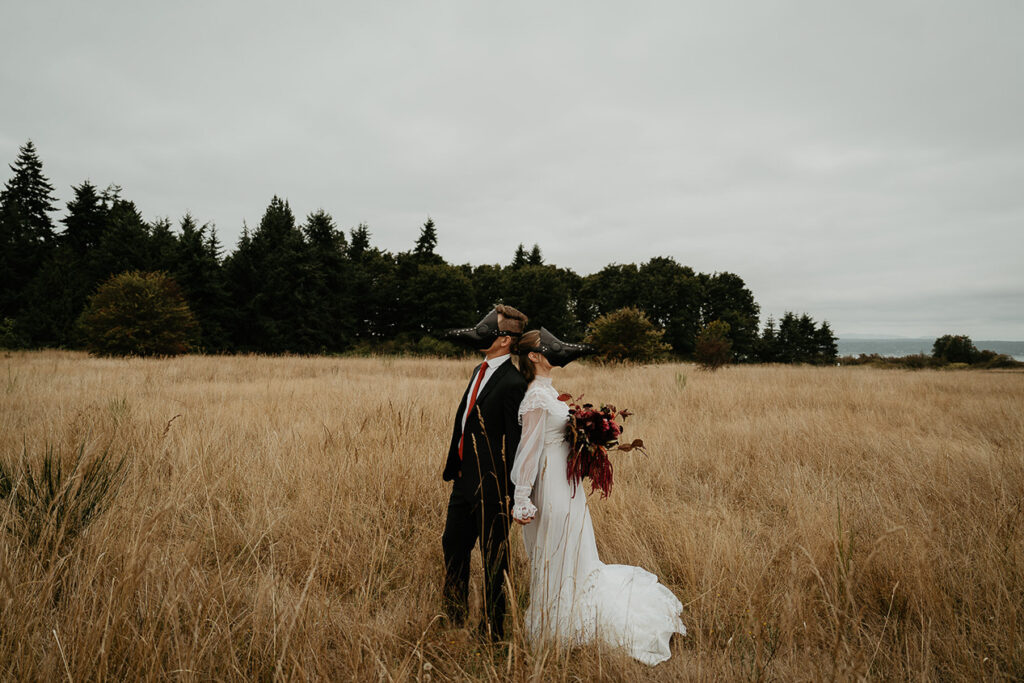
<point x="524" y="522"/>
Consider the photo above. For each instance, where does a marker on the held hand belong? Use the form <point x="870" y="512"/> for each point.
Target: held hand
<point x="524" y="522"/>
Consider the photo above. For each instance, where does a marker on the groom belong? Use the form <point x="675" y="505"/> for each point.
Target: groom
<point x="483" y="444"/>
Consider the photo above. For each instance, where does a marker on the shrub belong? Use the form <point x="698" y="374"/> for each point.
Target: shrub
<point x="10" y="335"/>
<point x="713" y="348"/>
<point x="955" y="349"/>
<point x="138" y="313"/>
<point x="51" y="504"/>
<point x="626" y="334"/>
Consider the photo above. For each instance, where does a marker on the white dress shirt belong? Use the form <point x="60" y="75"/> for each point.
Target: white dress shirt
<point x="492" y="365"/>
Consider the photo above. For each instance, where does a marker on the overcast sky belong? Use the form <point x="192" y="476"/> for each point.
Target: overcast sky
<point x="859" y="161"/>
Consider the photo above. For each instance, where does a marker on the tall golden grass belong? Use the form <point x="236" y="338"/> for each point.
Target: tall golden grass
<point x="281" y="518"/>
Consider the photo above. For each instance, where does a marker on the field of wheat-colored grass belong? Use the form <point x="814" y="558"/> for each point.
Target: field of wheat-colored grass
<point x="280" y="517"/>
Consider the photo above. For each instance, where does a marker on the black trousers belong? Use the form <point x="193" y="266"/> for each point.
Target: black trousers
<point x="469" y="519"/>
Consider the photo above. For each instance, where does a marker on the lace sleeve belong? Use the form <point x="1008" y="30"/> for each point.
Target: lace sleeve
<point x="535" y="398"/>
<point x="527" y="461"/>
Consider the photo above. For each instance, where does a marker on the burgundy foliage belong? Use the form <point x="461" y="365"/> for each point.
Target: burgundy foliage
<point x="592" y="433"/>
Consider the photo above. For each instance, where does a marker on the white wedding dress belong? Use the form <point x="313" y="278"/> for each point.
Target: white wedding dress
<point x="574" y="597"/>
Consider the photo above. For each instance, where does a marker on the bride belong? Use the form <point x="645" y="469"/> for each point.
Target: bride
<point x="574" y="597"/>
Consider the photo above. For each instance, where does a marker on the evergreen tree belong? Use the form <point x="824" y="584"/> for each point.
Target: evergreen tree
<point x="535" y="258"/>
<point x="124" y="244"/>
<point x="86" y="219"/>
<point x="519" y="259"/>
<point x="426" y="243"/>
<point x="670" y="294"/>
<point x="544" y="294"/>
<point x="26" y="229"/>
<point x="788" y="340"/>
<point x="241" y="283"/>
<point x="768" y="346"/>
<point x="360" y="241"/>
<point x="199" y="273"/>
<point x="955" y="348"/>
<point x="488" y="288"/>
<point x="282" y="286"/>
<point x="613" y="287"/>
<point x="726" y="298"/>
<point x="57" y="294"/>
<point x="163" y="246"/>
<point x="828" y="349"/>
<point x="332" y="308"/>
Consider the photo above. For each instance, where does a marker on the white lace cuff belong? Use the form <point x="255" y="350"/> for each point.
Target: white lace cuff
<point x="524" y="511"/>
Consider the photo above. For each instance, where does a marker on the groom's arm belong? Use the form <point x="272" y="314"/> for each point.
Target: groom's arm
<point x="513" y="430"/>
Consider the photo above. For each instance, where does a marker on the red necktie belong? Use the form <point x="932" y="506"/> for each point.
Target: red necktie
<point x="472" y="402"/>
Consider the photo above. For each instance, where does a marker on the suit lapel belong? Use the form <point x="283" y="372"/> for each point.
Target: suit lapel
<point x="498" y="374"/>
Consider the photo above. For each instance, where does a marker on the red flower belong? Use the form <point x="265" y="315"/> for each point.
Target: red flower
<point x="591" y="435"/>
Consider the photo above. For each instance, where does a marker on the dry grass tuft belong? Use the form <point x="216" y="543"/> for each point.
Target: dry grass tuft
<point x="281" y="518"/>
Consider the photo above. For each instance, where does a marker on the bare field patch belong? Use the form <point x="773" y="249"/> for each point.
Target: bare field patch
<point x="280" y="517"/>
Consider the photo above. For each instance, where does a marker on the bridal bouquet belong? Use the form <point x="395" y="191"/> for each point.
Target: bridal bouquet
<point x="592" y="433"/>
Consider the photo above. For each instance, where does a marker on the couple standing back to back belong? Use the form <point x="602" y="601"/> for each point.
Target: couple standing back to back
<point x="574" y="597"/>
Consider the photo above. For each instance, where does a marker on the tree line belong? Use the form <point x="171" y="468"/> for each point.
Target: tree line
<point x="309" y="287"/>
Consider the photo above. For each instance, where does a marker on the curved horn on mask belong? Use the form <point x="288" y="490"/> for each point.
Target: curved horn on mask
<point x="558" y="352"/>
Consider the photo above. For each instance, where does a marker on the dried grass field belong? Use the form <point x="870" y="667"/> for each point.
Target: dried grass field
<point x="280" y="517"/>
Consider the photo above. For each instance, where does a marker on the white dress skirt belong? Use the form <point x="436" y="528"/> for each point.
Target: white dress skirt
<point x="574" y="597"/>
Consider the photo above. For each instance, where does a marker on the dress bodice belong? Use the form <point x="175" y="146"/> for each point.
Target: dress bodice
<point x="542" y="394"/>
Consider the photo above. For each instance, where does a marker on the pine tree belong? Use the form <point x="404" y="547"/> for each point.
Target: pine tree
<point x="359" y="242"/>
<point x="331" y="307"/>
<point x="826" y="342"/>
<point x="86" y="219"/>
<point x="163" y="246"/>
<point x="198" y="272"/>
<point x="426" y="243"/>
<point x="26" y="229"/>
<point x="768" y="346"/>
<point x="519" y="260"/>
<point x="535" y="258"/>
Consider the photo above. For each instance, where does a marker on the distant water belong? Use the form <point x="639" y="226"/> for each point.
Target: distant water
<point x="908" y="347"/>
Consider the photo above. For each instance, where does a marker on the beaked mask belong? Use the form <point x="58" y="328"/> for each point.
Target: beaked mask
<point x="558" y="352"/>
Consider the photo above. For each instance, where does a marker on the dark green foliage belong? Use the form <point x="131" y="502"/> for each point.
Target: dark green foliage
<point x="955" y="348"/>
<point x="426" y="243"/>
<point x="26" y="229"/>
<point x="535" y="258"/>
<point x="671" y="296"/>
<point x="52" y="501"/>
<point x="519" y="259"/>
<point x="10" y="336"/>
<point x="798" y="340"/>
<point x="725" y="297"/>
<point x="86" y="219"/>
<point x="307" y="289"/>
<point x="627" y="335"/>
<point x="138" y="313"/>
<point x="199" y="273"/>
<point x="443" y="298"/>
<point x="489" y="286"/>
<point x="271" y="283"/>
<point x="544" y="294"/>
<point x="713" y="348"/>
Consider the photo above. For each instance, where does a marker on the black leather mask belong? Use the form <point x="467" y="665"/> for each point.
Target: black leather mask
<point x="480" y="336"/>
<point x="558" y="352"/>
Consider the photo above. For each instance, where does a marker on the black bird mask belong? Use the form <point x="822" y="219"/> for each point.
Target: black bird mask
<point x="558" y="352"/>
<point x="480" y="336"/>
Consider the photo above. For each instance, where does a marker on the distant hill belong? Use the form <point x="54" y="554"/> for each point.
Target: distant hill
<point x="851" y="345"/>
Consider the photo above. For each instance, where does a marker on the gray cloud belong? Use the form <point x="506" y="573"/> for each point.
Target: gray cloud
<point x="859" y="161"/>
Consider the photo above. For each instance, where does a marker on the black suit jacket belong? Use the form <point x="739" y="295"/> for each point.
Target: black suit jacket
<point x="492" y="436"/>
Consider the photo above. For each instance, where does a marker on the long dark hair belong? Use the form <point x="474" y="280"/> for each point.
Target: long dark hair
<point x="530" y="340"/>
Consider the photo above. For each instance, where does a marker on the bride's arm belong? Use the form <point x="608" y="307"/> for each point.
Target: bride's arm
<point x="527" y="462"/>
